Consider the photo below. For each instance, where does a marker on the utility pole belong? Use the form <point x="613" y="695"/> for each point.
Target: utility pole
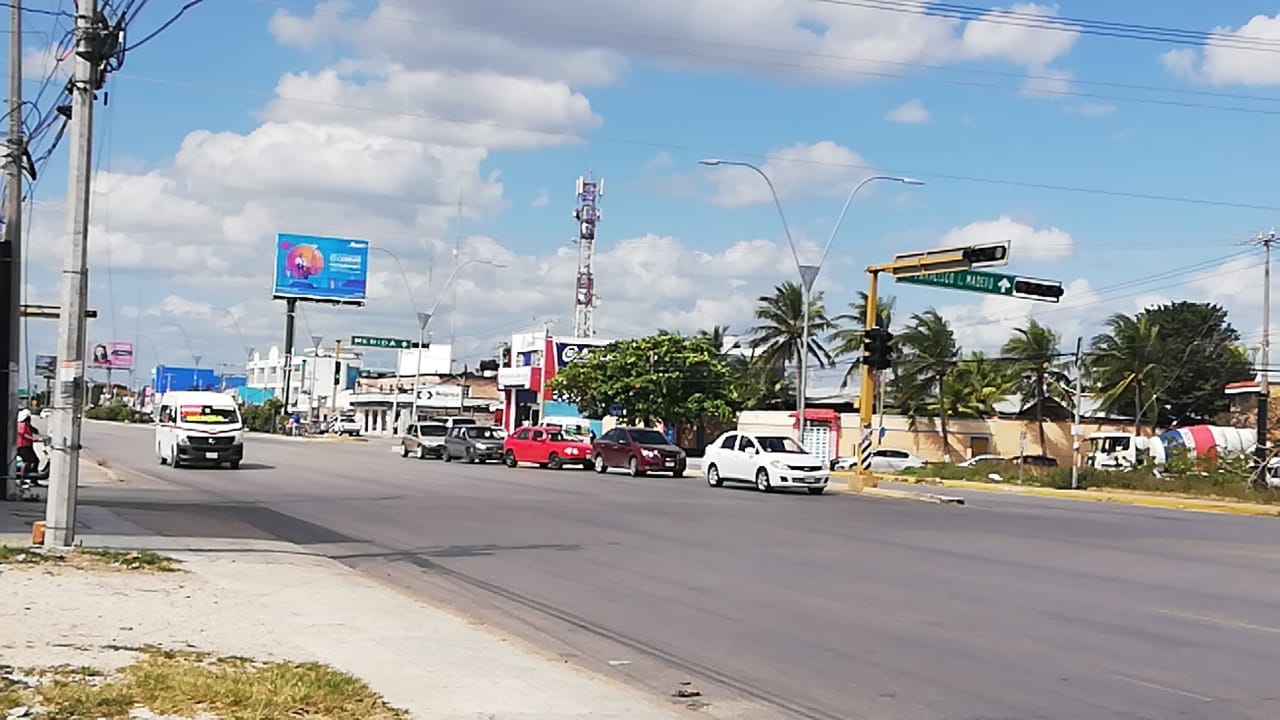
<point x="11" y="257"/>
<point x="1263" y="446"/>
<point x="588" y="215"/>
<point x="68" y="402"/>
<point x="1075" y="423"/>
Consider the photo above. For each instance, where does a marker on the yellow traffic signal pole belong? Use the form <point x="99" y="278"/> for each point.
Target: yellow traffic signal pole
<point x="867" y="389"/>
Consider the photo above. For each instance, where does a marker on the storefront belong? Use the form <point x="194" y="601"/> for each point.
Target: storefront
<point x="535" y="359"/>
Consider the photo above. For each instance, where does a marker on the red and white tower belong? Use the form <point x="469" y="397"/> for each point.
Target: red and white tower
<point x="587" y="214"/>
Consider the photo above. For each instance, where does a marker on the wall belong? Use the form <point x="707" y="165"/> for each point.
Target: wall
<point x="966" y="437"/>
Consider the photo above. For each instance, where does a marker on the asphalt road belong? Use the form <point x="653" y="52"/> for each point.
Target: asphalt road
<point x="831" y="607"/>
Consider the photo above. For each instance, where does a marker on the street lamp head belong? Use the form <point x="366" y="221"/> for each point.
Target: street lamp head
<point x="910" y="181"/>
<point x="710" y="161"/>
<point x="423" y="319"/>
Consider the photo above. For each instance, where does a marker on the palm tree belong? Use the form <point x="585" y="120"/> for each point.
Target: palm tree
<point x="927" y="357"/>
<point x="779" y="329"/>
<point x="978" y="385"/>
<point x="1034" y="349"/>
<point x="1126" y="364"/>
<point x="846" y="341"/>
<point x="718" y="335"/>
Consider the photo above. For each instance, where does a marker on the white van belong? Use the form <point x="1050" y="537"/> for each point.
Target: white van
<point x="199" y="427"/>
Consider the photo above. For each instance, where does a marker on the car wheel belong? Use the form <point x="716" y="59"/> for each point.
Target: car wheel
<point x="762" y="481"/>
<point x="163" y="460"/>
<point x="510" y="459"/>
<point x="447" y="456"/>
<point x="173" y="457"/>
<point x="633" y="467"/>
<point x="234" y="464"/>
<point x="404" y="450"/>
<point x="553" y="462"/>
<point x="713" y="476"/>
<point x="422" y="452"/>
<point x="600" y="466"/>
<point x="471" y="456"/>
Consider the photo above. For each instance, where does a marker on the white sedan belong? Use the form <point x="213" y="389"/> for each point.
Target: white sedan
<point x="769" y="461"/>
<point x="884" y="460"/>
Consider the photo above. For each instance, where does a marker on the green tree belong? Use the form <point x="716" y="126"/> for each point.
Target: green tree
<point x="977" y="385"/>
<point x="1127" y="365"/>
<point x="779" y="330"/>
<point x="1202" y="354"/>
<point x="664" y="377"/>
<point x="1034" y="350"/>
<point x="927" y="357"/>
<point x="846" y="338"/>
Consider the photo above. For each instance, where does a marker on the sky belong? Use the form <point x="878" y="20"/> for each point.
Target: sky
<point x="1134" y="170"/>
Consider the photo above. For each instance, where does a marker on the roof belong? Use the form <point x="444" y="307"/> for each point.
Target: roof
<point x="1244" y="387"/>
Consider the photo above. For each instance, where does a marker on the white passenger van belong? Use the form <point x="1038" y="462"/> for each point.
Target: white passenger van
<point x="199" y="427"/>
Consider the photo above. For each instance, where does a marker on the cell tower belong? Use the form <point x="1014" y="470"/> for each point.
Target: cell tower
<point x="588" y="215"/>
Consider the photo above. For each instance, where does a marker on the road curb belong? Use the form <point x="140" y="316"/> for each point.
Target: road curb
<point x="1167" y="502"/>
<point x="890" y="493"/>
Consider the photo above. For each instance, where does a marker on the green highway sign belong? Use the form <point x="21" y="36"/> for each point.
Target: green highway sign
<point x="381" y="342"/>
<point x="991" y="284"/>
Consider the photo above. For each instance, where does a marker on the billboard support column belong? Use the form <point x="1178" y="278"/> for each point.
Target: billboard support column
<point x="290" y="313"/>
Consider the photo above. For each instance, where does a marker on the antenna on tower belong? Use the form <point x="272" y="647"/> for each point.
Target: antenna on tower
<point x="587" y="214"/>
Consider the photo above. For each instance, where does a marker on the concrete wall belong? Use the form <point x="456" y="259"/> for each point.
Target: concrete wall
<point x="966" y="438"/>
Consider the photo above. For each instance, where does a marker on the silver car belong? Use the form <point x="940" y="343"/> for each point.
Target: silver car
<point x="474" y="443"/>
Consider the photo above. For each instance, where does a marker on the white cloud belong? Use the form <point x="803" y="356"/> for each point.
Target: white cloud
<point x="542" y="199"/>
<point x="661" y="161"/>
<point x="912" y="112"/>
<point x="823" y="169"/>
<point x="987" y="324"/>
<point x="1027" y="243"/>
<point x="47" y="62"/>
<point x="1047" y="83"/>
<point x="1227" y="59"/>
<point x="997" y="38"/>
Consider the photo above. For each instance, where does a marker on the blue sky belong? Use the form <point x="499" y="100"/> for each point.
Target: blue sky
<point x="1042" y="137"/>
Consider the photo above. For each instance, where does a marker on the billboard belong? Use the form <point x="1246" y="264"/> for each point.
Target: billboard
<point x="45" y="365"/>
<point x="111" y="356"/>
<point x="321" y="268"/>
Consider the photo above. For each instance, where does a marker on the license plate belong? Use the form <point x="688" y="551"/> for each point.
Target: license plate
<point x="669" y="463"/>
<point x="211" y="456"/>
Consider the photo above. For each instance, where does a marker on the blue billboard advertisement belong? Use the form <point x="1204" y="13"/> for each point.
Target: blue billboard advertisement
<point x="321" y="268"/>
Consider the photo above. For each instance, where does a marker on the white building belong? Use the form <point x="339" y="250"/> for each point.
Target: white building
<point x="316" y="383"/>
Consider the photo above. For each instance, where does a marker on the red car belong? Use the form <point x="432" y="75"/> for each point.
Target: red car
<point x="547" y="447"/>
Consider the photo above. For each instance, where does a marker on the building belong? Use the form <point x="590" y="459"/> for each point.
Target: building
<point x="166" y="378"/>
<point x="532" y="364"/>
<point x="316" y="383"/>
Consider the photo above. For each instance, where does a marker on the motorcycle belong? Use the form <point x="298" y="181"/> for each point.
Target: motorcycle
<point x="40" y="475"/>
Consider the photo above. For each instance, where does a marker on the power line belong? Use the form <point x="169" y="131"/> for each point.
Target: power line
<point x="163" y="26"/>
<point x="39" y="11"/>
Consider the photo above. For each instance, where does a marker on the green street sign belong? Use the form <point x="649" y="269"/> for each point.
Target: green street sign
<point x="991" y="284"/>
<point x="381" y="342"/>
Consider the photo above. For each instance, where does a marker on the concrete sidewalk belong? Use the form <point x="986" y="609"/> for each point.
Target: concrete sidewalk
<point x="276" y="600"/>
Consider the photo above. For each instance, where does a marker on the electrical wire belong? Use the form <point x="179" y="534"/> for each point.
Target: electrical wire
<point x="163" y="26"/>
<point x="38" y="11"/>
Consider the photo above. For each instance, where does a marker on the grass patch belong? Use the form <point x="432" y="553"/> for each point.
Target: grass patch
<point x="189" y="683"/>
<point x="86" y="558"/>
<point x="1228" y="480"/>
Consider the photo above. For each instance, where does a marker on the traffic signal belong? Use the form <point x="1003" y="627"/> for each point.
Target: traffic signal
<point x="877" y="348"/>
<point x="986" y="254"/>
<point x="1050" y="291"/>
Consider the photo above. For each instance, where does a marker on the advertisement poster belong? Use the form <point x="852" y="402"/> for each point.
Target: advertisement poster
<point x="321" y="268"/>
<point x="111" y="356"/>
<point x="46" y="366"/>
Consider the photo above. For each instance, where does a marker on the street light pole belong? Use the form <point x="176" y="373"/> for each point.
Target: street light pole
<point x="808" y="273"/>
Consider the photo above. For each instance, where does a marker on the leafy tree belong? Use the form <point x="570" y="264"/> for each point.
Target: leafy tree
<point x="977" y="385"/>
<point x="1039" y="370"/>
<point x="1127" y="365"/>
<point x="664" y="377"/>
<point x="846" y="340"/>
<point x="1202" y="354"/>
<point x="779" y="329"/>
<point x="927" y="357"/>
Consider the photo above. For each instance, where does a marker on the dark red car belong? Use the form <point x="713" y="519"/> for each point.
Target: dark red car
<point x="546" y="447"/>
<point x="639" y="450"/>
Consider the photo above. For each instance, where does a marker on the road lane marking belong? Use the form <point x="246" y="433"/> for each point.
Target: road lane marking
<point x="1165" y="688"/>
<point x="1224" y="622"/>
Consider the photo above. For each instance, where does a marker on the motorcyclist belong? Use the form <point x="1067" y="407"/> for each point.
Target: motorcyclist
<point x="27" y="435"/>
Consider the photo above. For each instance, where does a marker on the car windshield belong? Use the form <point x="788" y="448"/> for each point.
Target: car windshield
<point x="483" y="434"/>
<point x="649" y="437"/>
<point x="432" y="430"/>
<point x="208" y="415"/>
<point x="780" y="444"/>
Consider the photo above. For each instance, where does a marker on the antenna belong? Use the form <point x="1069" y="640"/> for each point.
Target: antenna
<point x="587" y="214"/>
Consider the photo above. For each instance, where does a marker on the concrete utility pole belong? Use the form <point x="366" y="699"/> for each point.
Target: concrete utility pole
<point x="68" y="401"/>
<point x="1264" y="397"/>
<point x="11" y="257"/>
<point x="1075" y="425"/>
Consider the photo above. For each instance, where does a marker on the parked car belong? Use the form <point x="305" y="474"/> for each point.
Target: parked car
<point x="884" y="460"/>
<point x="977" y="459"/>
<point x="424" y="440"/>
<point x="546" y="447"/>
<point x="772" y="462"/>
<point x="452" y="421"/>
<point x="1043" y="461"/>
<point x="640" y="450"/>
<point x="346" y="425"/>
<point x="474" y="443"/>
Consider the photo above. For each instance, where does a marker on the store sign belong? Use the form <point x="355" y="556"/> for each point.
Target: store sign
<point x="570" y="352"/>
<point x="514" y="377"/>
<point x="443" y="396"/>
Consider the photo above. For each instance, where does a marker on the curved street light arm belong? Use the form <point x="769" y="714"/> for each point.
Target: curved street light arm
<point x="403" y="275"/>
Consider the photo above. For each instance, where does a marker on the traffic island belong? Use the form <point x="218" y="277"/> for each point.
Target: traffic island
<point x="869" y="486"/>
<point x="190" y="685"/>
